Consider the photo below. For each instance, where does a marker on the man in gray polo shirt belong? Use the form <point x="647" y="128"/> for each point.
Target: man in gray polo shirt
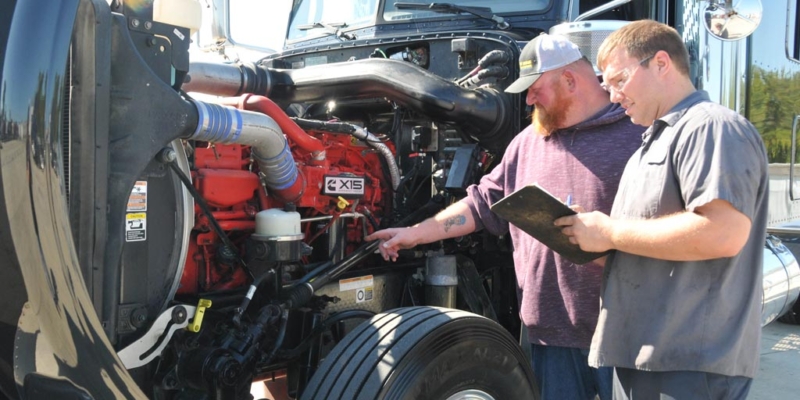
<point x="680" y="315"/>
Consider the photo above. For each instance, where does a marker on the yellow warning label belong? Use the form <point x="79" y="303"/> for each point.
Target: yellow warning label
<point x="136" y="227"/>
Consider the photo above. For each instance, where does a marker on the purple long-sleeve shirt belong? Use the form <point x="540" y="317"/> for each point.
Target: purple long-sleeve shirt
<point x="559" y="301"/>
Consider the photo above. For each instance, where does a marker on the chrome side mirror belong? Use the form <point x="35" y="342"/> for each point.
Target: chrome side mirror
<point x="727" y="21"/>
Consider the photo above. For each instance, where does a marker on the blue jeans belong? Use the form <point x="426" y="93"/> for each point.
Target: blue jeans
<point x="563" y="373"/>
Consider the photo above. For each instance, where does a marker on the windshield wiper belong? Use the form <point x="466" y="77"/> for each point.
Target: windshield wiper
<point x="334" y="28"/>
<point x="448" y="8"/>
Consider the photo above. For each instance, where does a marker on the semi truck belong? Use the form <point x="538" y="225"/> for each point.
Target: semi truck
<point x="178" y="227"/>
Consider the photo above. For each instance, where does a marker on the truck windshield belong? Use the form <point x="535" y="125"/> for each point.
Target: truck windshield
<point x="313" y="18"/>
<point x="392" y="13"/>
<point x="319" y="17"/>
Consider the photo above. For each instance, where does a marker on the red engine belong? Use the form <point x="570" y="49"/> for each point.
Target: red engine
<point x="346" y="177"/>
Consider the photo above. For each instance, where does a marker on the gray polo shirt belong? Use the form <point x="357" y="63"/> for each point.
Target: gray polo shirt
<point x="659" y="315"/>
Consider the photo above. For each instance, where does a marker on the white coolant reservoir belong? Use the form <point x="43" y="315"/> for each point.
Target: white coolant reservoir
<point x="276" y="222"/>
<point x="185" y="13"/>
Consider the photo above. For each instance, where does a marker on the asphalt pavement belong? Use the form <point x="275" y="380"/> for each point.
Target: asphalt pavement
<point x="779" y="370"/>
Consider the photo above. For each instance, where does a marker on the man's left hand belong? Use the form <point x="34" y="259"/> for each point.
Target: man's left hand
<point x="589" y="230"/>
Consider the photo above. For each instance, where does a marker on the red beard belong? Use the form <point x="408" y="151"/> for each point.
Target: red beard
<point x="547" y="120"/>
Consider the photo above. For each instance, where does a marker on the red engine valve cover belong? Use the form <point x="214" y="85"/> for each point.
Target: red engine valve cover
<point x="226" y="188"/>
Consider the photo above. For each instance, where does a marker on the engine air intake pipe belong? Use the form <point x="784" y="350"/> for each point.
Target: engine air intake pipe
<point x="222" y="124"/>
<point x="225" y="79"/>
<point x="482" y="112"/>
<point x="287" y="125"/>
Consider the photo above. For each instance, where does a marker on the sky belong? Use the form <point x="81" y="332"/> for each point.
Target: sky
<point x="259" y="23"/>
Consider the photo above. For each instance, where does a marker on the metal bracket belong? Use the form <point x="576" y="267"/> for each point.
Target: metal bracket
<point x="152" y="343"/>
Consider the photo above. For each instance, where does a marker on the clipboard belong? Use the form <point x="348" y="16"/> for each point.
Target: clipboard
<point x="533" y="210"/>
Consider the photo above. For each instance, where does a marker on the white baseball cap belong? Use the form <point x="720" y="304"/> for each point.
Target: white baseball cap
<point x="543" y="53"/>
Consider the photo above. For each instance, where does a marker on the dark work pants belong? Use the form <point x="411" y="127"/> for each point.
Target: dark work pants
<point x="632" y="384"/>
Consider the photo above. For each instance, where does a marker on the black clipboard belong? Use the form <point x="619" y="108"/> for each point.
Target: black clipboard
<point x="533" y="210"/>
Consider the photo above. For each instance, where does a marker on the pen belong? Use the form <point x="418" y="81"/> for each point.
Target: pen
<point x="569" y="200"/>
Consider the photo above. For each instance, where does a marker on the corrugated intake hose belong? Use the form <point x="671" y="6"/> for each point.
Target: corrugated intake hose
<point x="226" y="125"/>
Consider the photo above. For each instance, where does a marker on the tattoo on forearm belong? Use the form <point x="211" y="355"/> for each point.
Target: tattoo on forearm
<point x="453" y="221"/>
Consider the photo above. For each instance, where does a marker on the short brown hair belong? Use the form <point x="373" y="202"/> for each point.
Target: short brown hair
<point x="642" y="39"/>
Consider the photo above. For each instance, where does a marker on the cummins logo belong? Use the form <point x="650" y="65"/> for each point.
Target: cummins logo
<point x="343" y="186"/>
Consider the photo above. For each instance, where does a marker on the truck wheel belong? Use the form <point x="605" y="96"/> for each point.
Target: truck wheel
<point x="425" y="353"/>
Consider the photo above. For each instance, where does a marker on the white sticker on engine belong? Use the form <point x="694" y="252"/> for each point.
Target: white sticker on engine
<point x="344" y="185"/>
<point x="136" y="227"/>
<point x="138" y="200"/>
<point x="363" y="295"/>
<point x="179" y="34"/>
<point x="355" y="283"/>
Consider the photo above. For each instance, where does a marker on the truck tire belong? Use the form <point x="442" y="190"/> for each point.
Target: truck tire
<point x="793" y="316"/>
<point x="425" y="353"/>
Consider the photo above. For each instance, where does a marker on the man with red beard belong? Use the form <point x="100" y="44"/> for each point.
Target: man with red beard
<point x="576" y="147"/>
